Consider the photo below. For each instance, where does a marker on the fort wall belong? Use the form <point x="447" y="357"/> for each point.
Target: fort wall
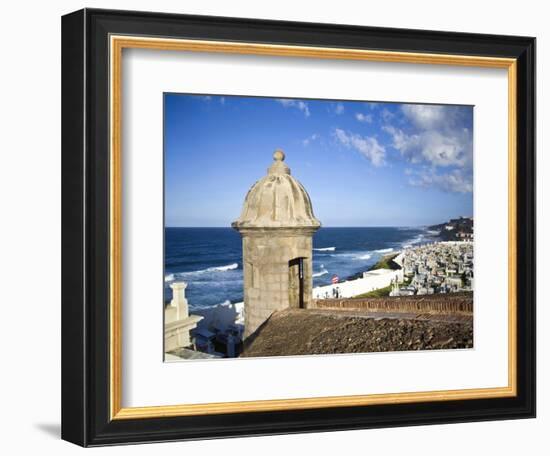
<point x="440" y="303"/>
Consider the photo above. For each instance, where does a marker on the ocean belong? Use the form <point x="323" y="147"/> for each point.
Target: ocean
<point x="210" y="259"/>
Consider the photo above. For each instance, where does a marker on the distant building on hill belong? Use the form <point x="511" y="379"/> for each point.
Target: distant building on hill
<point x="459" y="229"/>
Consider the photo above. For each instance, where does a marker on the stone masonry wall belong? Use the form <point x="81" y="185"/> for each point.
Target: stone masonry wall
<point x="266" y="275"/>
<point x="439" y="303"/>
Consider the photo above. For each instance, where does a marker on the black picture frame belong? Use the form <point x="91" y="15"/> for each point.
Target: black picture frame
<point x="85" y="227"/>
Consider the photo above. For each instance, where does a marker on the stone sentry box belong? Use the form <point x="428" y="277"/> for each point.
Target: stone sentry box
<point x="276" y="224"/>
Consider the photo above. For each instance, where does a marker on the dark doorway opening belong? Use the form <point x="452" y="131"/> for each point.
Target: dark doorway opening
<point x="296" y="282"/>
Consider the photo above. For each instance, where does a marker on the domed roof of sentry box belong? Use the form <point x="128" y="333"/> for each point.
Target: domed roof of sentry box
<point x="277" y="201"/>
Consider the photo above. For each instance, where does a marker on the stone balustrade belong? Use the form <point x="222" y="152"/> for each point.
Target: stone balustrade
<point x="177" y="321"/>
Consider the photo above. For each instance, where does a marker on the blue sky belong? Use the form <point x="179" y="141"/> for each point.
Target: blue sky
<point x="362" y="163"/>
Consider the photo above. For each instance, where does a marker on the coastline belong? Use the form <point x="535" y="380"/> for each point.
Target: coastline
<point x="226" y="315"/>
<point x="214" y="270"/>
<point x="371" y="280"/>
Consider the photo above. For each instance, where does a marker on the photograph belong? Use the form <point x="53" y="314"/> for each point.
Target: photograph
<point x="276" y="224"/>
<point x="316" y="227"/>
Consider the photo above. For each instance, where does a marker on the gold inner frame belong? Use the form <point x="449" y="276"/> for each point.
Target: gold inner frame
<point x="117" y="44"/>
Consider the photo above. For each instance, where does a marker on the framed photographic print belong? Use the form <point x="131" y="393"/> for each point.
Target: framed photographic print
<point x="278" y="227"/>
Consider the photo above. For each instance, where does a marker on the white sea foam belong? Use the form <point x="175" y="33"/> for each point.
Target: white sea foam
<point x="364" y="257"/>
<point x="203" y="310"/>
<point x="322" y="272"/>
<point x="344" y="255"/>
<point x="409" y="243"/>
<point x="325" y="249"/>
<point x="189" y="274"/>
<point x="384" y="250"/>
<point x="229" y="267"/>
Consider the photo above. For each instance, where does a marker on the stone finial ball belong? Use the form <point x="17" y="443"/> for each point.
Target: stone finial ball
<point x="278" y="155"/>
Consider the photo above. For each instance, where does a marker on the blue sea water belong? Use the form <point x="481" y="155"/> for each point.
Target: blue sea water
<point x="210" y="259"/>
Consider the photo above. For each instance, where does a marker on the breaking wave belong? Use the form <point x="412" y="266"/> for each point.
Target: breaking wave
<point x="229" y="267"/>
<point x="326" y="249"/>
<point x="322" y="272"/>
<point x="364" y="257"/>
<point x="390" y="249"/>
<point x="174" y="276"/>
<point x="206" y="310"/>
<point x="410" y="243"/>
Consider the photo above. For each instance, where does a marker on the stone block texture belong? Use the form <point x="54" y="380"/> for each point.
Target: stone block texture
<point x="277" y="224"/>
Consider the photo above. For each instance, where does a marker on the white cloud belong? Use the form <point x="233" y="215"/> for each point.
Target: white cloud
<point x="427" y="116"/>
<point x="339" y="109"/>
<point x="437" y="138"/>
<point x="367" y="146"/>
<point x="306" y="142"/>
<point x="456" y="181"/>
<point x="366" y="118"/>
<point x="301" y="105"/>
<point x="450" y="148"/>
<point x="387" y="115"/>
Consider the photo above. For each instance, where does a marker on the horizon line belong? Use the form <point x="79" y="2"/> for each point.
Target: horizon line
<point x="347" y="226"/>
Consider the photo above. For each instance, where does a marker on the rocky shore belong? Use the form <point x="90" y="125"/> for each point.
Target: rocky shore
<point x="306" y="332"/>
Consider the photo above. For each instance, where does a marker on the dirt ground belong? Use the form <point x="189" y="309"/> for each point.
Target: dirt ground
<point x="303" y="332"/>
